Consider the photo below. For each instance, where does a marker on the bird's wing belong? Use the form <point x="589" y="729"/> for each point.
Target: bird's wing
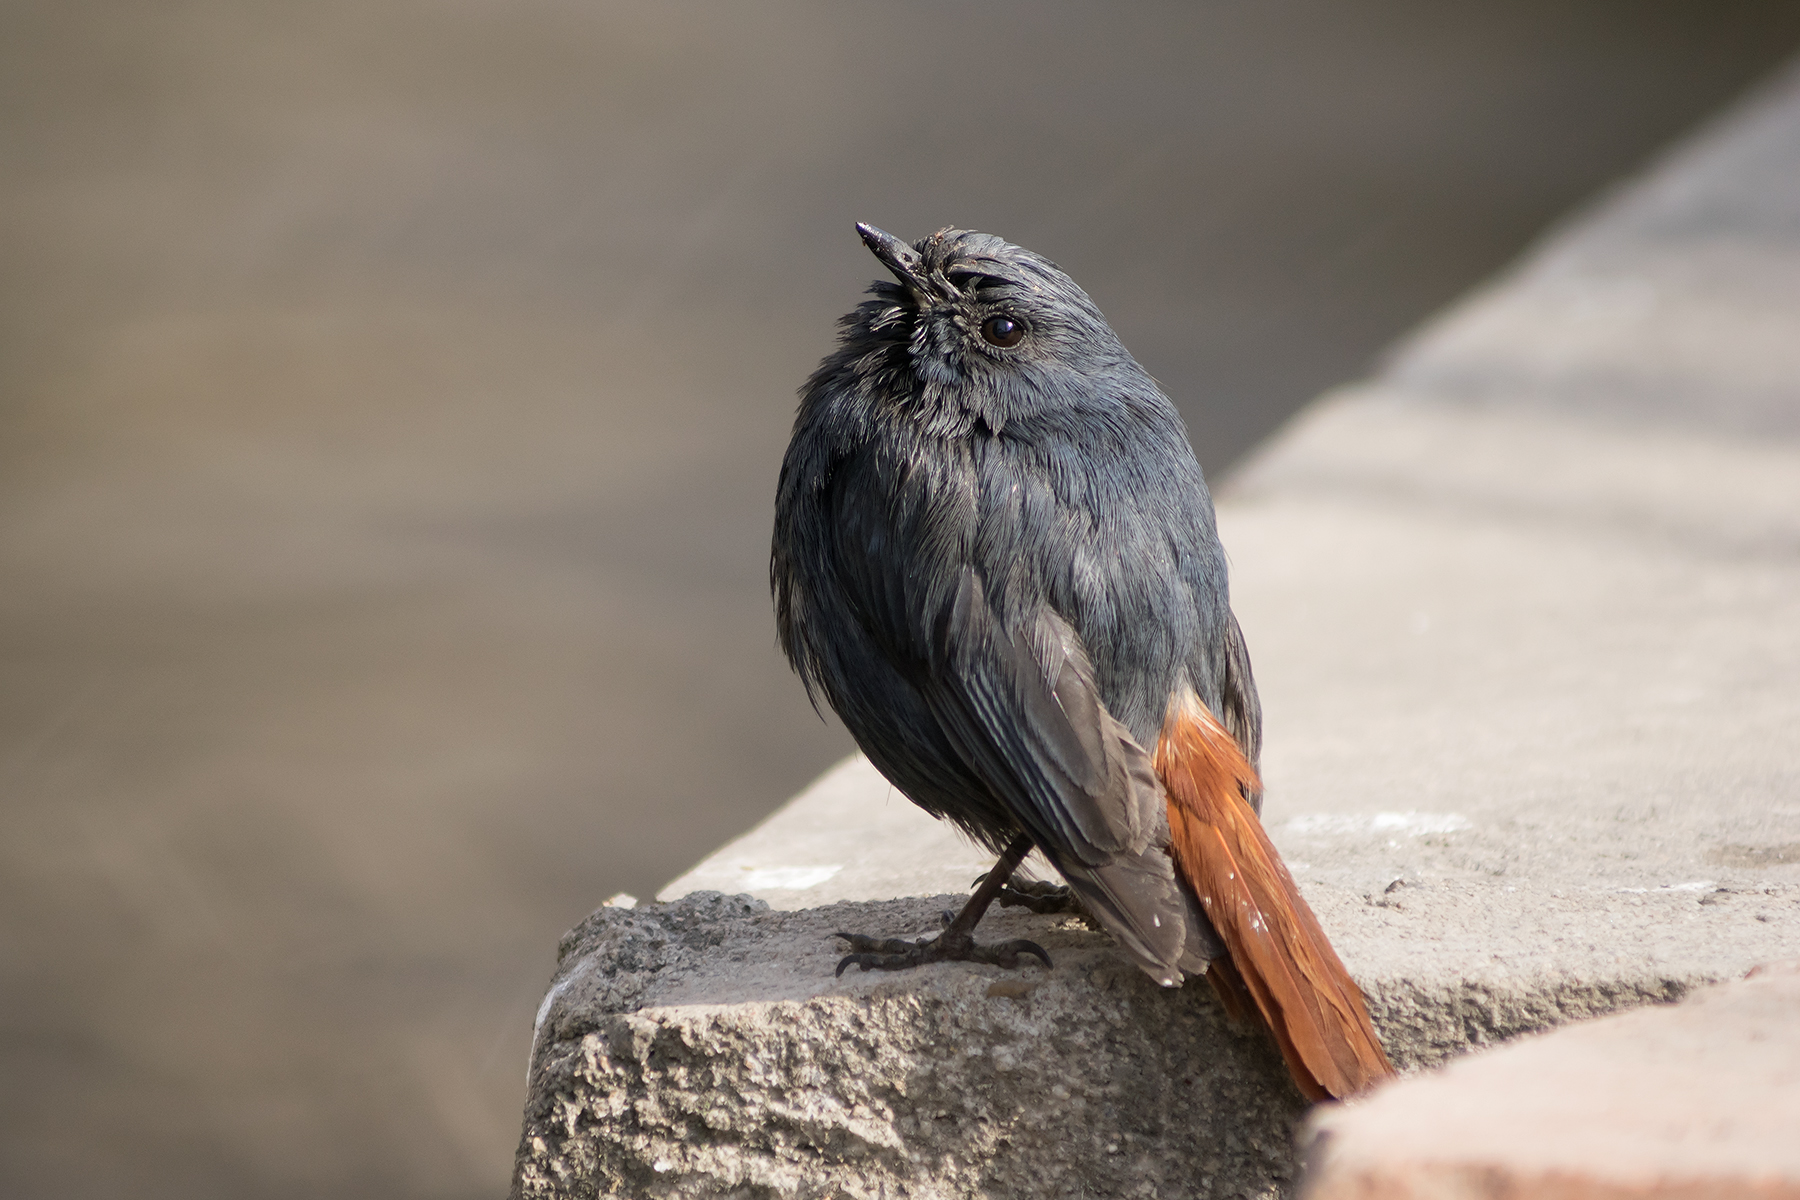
<point x="1023" y="706"/>
<point x="1023" y="710"/>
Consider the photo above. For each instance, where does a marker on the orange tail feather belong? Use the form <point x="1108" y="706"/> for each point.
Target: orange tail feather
<point x="1279" y="954"/>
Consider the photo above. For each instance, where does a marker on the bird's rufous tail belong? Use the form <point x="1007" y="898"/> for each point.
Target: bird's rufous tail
<point x="1279" y="955"/>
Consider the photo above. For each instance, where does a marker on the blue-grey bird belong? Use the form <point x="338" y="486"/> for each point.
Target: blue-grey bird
<point x="995" y="557"/>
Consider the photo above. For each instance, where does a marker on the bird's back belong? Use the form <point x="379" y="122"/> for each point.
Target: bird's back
<point x="1097" y="512"/>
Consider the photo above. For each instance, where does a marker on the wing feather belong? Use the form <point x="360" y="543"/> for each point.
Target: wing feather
<point x="1024" y="711"/>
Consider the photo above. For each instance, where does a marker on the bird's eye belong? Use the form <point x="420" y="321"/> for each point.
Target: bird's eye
<point x="1002" y="331"/>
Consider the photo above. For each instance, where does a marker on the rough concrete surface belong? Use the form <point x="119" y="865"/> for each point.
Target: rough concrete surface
<point x="704" y="1048"/>
<point x="1531" y="675"/>
<point x="1698" y="1100"/>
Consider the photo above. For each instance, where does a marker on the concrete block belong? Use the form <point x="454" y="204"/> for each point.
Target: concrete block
<point x="1697" y="1100"/>
<point x="704" y="1048"/>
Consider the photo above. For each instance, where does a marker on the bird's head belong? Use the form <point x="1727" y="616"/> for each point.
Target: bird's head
<point x="986" y="323"/>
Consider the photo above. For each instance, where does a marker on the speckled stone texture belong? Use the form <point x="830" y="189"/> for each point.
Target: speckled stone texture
<point x="952" y="1080"/>
<point x="703" y="1048"/>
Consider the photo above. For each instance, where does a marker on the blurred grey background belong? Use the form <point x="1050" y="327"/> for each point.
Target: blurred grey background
<point x="391" y="396"/>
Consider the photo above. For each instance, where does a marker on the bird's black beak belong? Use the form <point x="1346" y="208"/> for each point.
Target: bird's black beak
<point x="894" y="254"/>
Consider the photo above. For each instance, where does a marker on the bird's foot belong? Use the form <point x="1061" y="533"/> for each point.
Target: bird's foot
<point x="897" y="954"/>
<point x="1040" y="896"/>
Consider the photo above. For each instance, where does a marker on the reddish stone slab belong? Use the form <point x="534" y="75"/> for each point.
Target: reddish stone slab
<point x="1700" y="1099"/>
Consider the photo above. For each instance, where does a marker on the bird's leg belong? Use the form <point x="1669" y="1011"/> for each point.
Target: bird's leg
<point x="957" y="942"/>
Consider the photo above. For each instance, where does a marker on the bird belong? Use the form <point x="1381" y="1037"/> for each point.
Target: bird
<point x="995" y="557"/>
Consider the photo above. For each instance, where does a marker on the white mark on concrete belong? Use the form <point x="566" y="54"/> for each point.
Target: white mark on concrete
<point x="1622" y="301"/>
<point x="619" y="900"/>
<point x="550" y="997"/>
<point x="791" y="878"/>
<point x="1409" y="824"/>
<point x="543" y="1011"/>
<point x="1698" y="885"/>
<point x="561" y="986"/>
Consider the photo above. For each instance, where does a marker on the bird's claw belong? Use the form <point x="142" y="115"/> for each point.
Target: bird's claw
<point x="896" y="954"/>
<point x="1006" y="954"/>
